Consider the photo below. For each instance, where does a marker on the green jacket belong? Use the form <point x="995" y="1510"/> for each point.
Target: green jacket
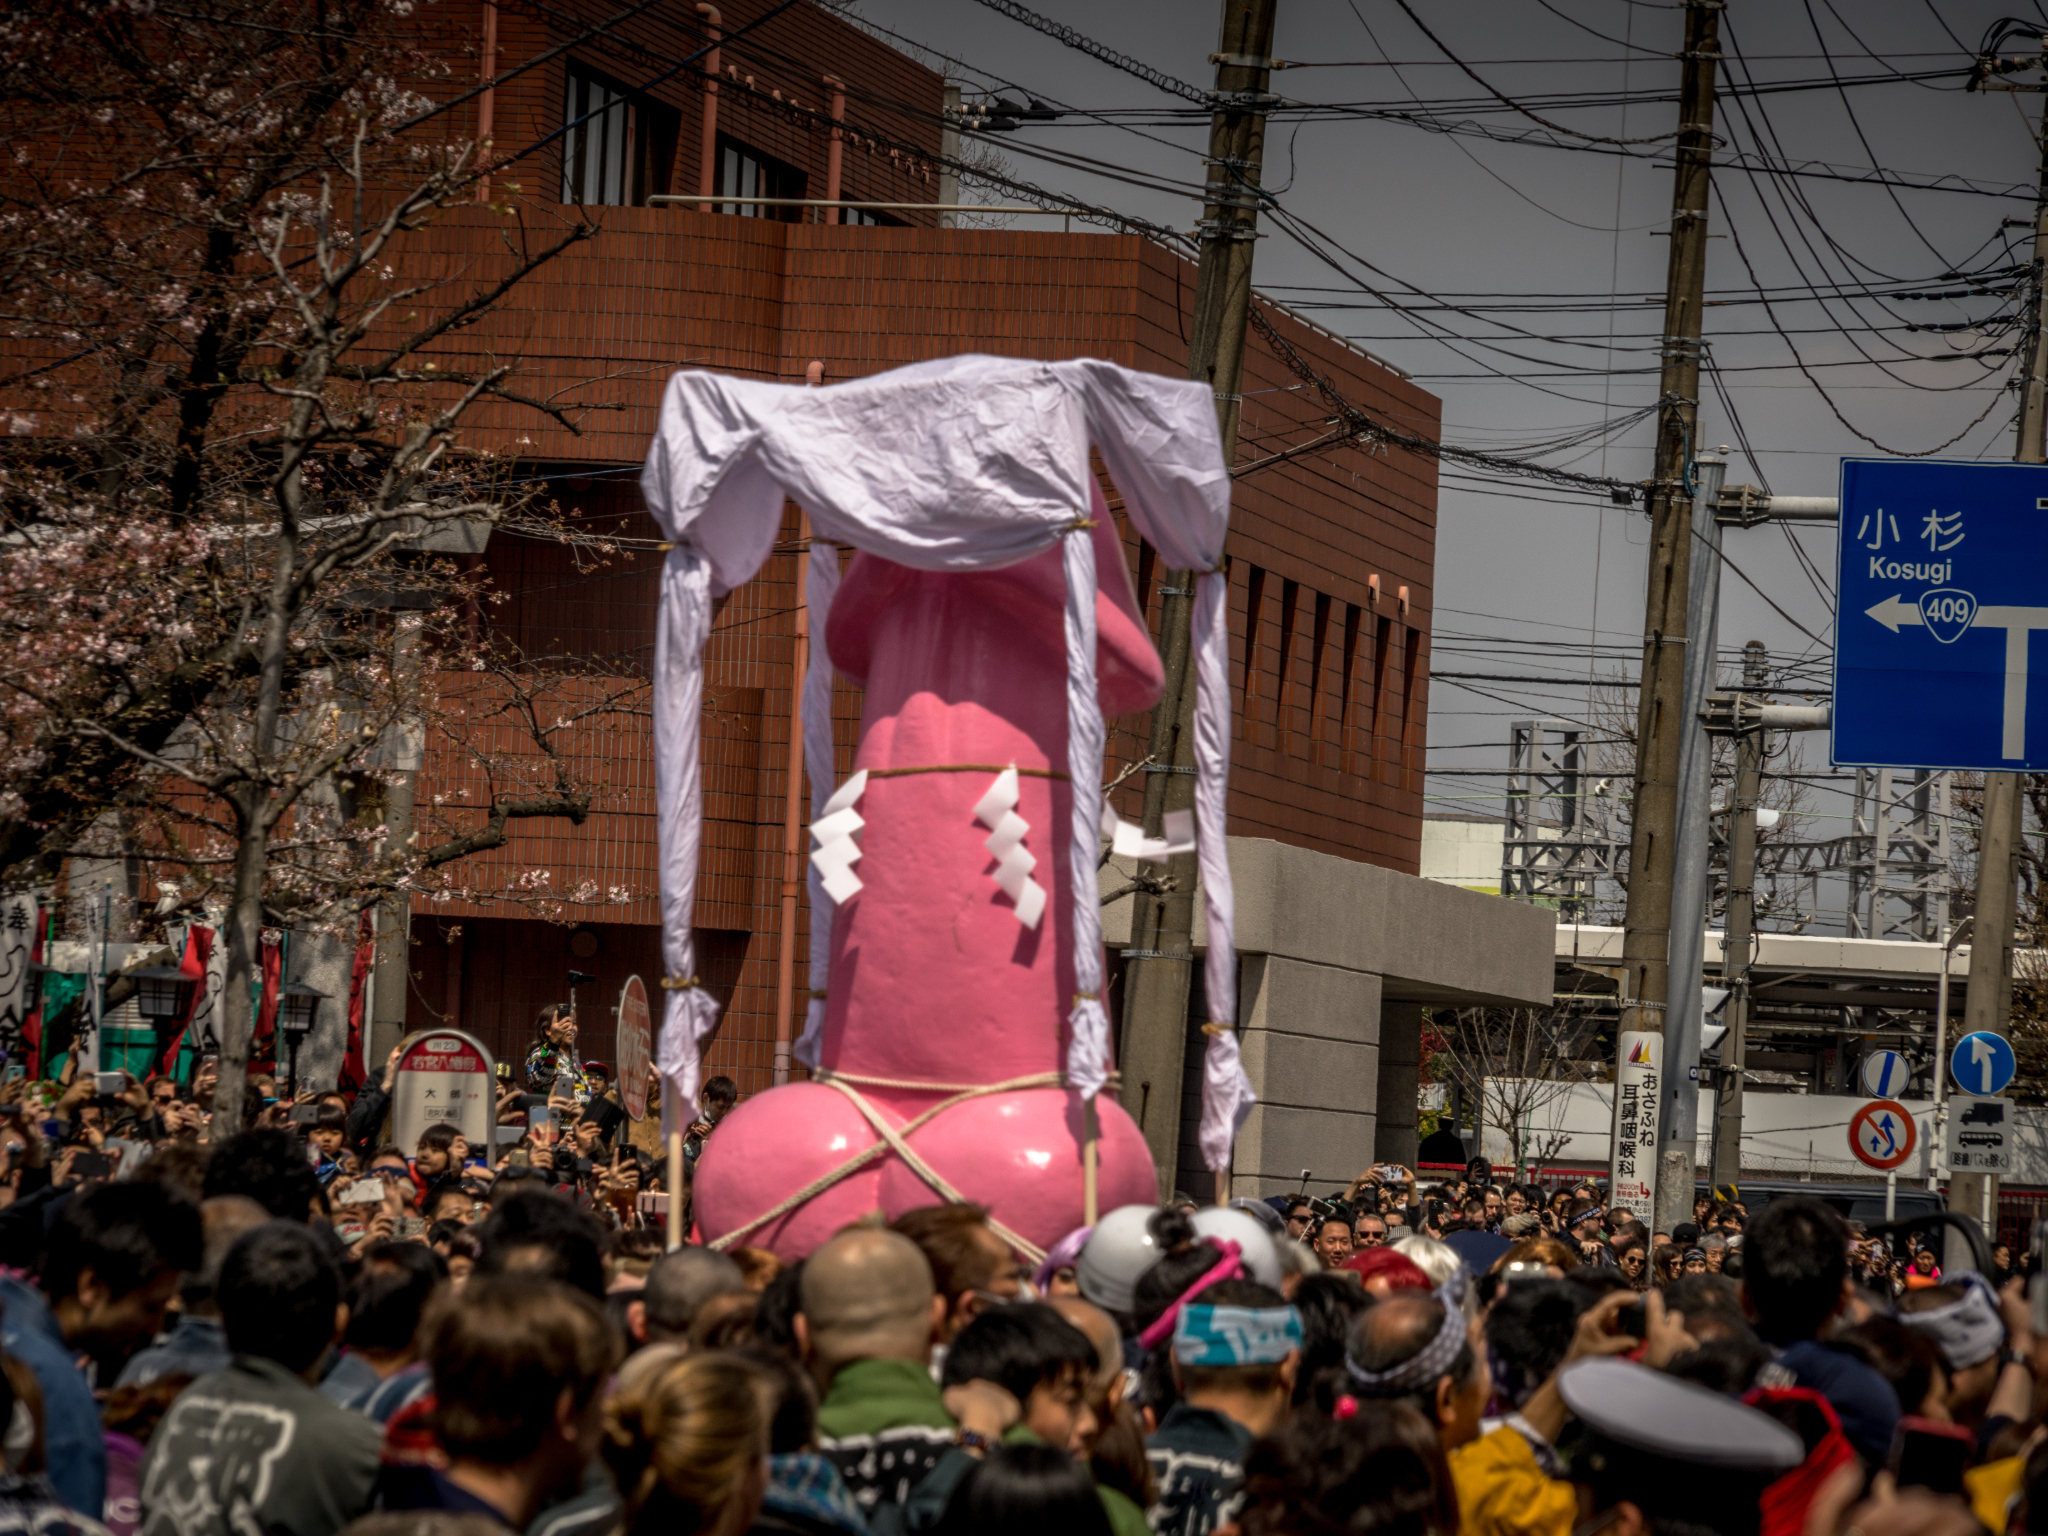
<point x="883" y="1425"/>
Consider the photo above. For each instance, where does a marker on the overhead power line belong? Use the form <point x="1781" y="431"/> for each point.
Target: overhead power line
<point x="1095" y="50"/>
<point x="1358" y="425"/>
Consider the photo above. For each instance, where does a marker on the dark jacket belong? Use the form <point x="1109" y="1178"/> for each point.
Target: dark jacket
<point x="1197" y="1457"/>
<point x="254" y="1449"/>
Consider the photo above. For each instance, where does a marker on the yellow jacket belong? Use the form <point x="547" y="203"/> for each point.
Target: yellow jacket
<point x="1503" y="1492"/>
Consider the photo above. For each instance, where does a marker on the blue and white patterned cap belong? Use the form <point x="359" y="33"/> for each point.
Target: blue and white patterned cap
<point x="1211" y="1335"/>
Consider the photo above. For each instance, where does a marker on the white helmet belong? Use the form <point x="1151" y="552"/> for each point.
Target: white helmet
<point x="1120" y="1249"/>
<point x="1255" y="1243"/>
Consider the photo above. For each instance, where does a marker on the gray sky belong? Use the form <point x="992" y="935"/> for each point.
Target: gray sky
<point x="1442" y="217"/>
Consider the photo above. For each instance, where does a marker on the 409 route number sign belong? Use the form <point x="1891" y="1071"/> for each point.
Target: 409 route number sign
<point x="1882" y="1134"/>
<point x="1943" y="576"/>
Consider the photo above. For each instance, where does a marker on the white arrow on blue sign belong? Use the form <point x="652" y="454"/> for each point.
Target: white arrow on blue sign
<point x="1943" y="580"/>
<point x="1885" y="1074"/>
<point x="1983" y="1063"/>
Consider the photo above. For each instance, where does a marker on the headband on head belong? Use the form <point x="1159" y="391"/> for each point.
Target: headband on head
<point x="1420" y="1370"/>
<point x="1968" y="1331"/>
<point x="1231" y="1268"/>
<point x="1206" y="1335"/>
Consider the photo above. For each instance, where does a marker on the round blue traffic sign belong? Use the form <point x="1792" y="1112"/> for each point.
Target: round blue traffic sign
<point x="1983" y="1063"/>
<point x="1885" y="1074"/>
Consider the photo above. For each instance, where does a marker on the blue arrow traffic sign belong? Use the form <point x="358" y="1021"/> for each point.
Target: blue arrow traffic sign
<point x="1885" y="1074"/>
<point x="1983" y="1063"/>
<point x="1942" y="576"/>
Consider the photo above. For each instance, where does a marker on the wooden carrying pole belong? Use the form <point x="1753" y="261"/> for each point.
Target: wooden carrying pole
<point x="674" y="1223"/>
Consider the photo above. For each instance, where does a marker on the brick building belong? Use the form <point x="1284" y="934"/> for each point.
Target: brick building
<point x="1331" y="554"/>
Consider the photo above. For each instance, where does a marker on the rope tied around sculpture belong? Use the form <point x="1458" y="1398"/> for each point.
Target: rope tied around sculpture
<point x="893" y="1140"/>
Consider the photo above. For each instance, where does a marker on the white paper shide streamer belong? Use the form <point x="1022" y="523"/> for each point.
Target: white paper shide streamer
<point x="837" y="852"/>
<point x="997" y="810"/>
<point x="1127" y="840"/>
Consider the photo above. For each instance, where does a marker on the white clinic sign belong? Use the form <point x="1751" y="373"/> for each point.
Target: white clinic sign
<point x="1638" y="1071"/>
<point x="444" y="1077"/>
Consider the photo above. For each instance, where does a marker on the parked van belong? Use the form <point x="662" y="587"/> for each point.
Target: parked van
<point x="1860" y="1202"/>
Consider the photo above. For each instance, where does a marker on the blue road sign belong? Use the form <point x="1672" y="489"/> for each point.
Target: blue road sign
<point x="1942" y="583"/>
<point x="1983" y="1063"/>
<point x="1885" y="1074"/>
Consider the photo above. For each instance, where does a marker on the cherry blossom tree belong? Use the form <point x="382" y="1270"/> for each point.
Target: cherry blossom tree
<point x="233" y="475"/>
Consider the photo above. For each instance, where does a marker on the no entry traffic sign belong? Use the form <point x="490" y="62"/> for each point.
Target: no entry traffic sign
<point x="1882" y="1134"/>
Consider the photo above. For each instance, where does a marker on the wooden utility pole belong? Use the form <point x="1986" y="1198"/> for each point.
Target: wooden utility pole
<point x="1988" y="1005"/>
<point x="1156" y="979"/>
<point x="1653" y="841"/>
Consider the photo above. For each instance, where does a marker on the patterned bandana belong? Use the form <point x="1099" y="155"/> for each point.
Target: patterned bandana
<point x="1969" y="1331"/>
<point x="1205" y="1335"/>
<point x="1420" y="1370"/>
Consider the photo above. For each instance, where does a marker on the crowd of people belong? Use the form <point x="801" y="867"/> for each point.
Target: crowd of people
<point x="207" y="1334"/>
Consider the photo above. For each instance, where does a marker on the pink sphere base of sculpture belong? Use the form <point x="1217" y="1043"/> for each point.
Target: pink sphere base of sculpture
<point x="1018" y="1152"/>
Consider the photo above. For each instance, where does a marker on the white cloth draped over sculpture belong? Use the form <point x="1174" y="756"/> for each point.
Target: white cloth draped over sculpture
<point x="968" y="464"/>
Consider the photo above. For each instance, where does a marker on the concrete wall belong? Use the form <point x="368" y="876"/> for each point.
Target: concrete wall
<point x="1310" y="1035"/>
<point x="1337" y="958"/>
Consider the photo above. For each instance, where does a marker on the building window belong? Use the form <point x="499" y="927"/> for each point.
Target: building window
<point x="744" y="171"/>
<point x="867" y="216"/>
<point x="618" y="146"/>
<point x="598" y="160"/>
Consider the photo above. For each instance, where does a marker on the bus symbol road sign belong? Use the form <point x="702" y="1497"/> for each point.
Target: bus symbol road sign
<point x="1979" y="1134"/>
<point x="1943" y="578"/>
<point x="1882" y="1134"/>
<point x="1885" y="1074"/>
<point x="1983" y="1063"/>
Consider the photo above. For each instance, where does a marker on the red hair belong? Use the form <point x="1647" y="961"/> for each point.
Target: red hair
<point x="1400" y="1272"/>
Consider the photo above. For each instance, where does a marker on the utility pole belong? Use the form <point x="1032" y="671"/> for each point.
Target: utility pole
<point x="1988" y="1005"/>
<point x="1653" y="843"/>
<point x="1679" y="1114"/>
<point x="1156" y="979"/>
<point x="1739" y="935"/>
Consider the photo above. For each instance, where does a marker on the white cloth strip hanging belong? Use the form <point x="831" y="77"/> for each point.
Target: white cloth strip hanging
<point x="681" y="627"/>
<point x="821" y="764"/>
<point x="1227" y="1095"/>
<point x="1087" y="1021"/>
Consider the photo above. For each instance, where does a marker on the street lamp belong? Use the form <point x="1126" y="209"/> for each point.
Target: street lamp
<point x="297" y="1006"/>
<point x="163" y="996"/>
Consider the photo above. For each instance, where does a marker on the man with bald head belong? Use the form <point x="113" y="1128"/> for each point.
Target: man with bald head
<point x="869" y="1316"/>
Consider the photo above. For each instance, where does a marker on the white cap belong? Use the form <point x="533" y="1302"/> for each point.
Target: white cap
<point x="1254" y="1242"/>
<point x="1120" y="1249"/>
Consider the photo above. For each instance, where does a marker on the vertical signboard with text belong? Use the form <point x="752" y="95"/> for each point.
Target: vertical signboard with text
<point x="1637" y="1080"/>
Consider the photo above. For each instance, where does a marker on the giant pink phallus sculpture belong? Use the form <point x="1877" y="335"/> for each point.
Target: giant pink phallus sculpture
<point x="957" y="1033"/>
